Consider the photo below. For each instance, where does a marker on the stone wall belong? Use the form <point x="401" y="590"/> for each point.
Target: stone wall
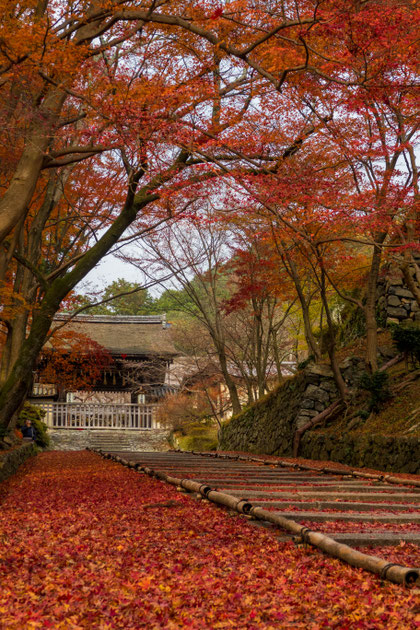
<point x="269" y="425"/>
<point x="127" y="440"/>
<point x="11" y="460"/>
<point x="396" y="304"/>
<point x="395" y="454"/>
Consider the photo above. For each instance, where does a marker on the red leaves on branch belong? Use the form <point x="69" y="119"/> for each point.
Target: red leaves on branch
<point x="73" y="360"/>
<point x="84" y="547"/>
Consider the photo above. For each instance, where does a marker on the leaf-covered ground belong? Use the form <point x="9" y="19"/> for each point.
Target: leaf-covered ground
<point x="90" y="544"/>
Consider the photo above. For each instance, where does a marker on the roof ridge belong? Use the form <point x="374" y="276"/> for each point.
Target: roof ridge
<point x="114" y="319"/>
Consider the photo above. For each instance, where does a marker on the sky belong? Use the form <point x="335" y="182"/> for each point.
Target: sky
<point x="109" y="269"/>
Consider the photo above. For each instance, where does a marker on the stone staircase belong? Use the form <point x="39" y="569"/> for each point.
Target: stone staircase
<point x="354" y="511"/>
<point x="110" y="440"/>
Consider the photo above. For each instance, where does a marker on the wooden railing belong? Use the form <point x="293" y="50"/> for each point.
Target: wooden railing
<point x="99" y="416"/>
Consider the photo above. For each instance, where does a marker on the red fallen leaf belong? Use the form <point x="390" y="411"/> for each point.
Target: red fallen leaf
<point x="87" y="554"/>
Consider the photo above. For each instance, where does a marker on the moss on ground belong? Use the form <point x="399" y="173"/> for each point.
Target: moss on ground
<point x="197" y="437"/>
<point x="398" y="417"/>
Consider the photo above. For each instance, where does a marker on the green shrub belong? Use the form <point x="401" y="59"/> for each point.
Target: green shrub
<point x="377" y="385"/>
<point x="407" y="339"/>
<point x="35" y="415"/>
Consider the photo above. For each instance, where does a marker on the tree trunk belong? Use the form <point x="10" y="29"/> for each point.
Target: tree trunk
<point x="17" y="386"/>
<point x="310" y="339"/>
<point x="230" y="384"/>
<point x="370" y="308"/>
<point x="338" y="378"/>
<point x="15" y="201"/>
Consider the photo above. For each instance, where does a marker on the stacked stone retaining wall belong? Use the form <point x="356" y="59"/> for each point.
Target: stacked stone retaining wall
<point x="11" y="460"/>
<point x="394" y="454"/>
<point x="268" y="427"/>
<point x="396" y="304"/>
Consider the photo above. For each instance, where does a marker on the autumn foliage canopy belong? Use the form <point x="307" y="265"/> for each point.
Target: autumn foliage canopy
<point x="297" y="120"/>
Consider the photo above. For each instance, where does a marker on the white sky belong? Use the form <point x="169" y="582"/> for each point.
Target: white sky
<point x="108" y="270"/>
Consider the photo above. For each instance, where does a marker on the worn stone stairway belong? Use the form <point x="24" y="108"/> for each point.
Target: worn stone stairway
<point x="354" y="511"/>
<point x="110" y="440"/>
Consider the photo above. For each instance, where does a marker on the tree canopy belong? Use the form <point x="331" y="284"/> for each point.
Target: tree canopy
<point x="297" y="121"/>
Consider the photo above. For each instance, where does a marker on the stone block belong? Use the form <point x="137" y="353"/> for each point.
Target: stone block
<point x="395" y="281"/>
<point x="316" y="393"/>
<point x="391" y="320"/>
<point x="329" y="386"/>
<point x="311" y="389"/>
<point x="403" y="293"/>
<point x="307" y="403"/>
<point x="414" y="306"/>
<point x="319" y="370"/>
<point x="309" y="413"/>
<point x="393" y="300"/>
<point x="398" y="313"/>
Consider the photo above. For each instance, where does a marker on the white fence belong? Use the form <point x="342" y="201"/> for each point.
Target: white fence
<point x="99" y="416"/>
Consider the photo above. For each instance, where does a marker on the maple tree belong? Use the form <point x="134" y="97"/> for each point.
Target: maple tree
<point x="226" y="323"/>
<point x="73" y="361"/>
<point x="160" y="102"/>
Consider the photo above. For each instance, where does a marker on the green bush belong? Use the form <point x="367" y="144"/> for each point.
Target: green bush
<point x="377" y="385"/>
<point x="407" y="339"/>
<point x="35" y="414"/>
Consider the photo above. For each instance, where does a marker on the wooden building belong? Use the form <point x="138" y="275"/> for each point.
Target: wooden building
<point x="128" y="390"/>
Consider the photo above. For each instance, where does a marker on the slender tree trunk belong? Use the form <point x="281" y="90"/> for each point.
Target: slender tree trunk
<point x="230" y="384"/>
<point x="338" y="378"/>
<point x="311" y="342"/>
<point x="370" y="307"/>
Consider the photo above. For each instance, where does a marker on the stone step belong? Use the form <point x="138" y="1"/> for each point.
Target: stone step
<point x="312" y="494"/>
<point x="354" y="517"/>
<point x="341" y="505"/>
<point x="297" y="483"/>
<point x="355" y="539"/>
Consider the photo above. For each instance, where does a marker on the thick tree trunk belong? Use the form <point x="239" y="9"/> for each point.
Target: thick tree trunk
<point x="19" y="381"/>
<point x="15" y="201"/>
<point x="13" y="346"/>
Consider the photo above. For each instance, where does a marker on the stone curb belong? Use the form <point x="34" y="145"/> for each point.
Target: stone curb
<point x="10" y="461"/>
